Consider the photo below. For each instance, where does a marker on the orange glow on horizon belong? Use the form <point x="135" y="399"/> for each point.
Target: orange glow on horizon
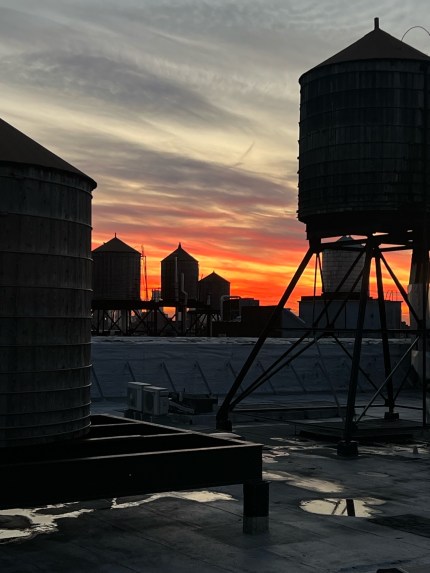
<point x="264" y="280"/>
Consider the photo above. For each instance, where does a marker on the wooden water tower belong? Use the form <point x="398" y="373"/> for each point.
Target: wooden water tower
<point x="364" y="156"/>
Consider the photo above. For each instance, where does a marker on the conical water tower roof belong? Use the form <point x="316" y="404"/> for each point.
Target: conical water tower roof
<point x="15" y="147"/>
<point x="181" y="254"/>
<point x="377" y="44"/>
<point x="214" y="277"/>
<point x="115" y="245"/>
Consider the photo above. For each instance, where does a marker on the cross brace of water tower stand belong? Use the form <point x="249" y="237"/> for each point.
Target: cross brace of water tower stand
<point x="369" y="248"/>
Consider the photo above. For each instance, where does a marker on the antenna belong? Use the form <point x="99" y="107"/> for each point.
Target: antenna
<point x="145" y="275"/>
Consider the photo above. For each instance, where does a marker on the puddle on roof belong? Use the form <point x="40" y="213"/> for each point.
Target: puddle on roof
<point x="408" y="450"/>
<point x="295" y="443"/>
<point x="271" y="453"/>
<point x="199" y="496"/>
<point x="301" y="447"/>
<point x="413" y="450"/>
<point x="305" y="448"/>
<point x="347" y="507"/>
<point x="310" y="483"/>
<point x="19" y="524"/>
<point x="300" y="443"/>
<point x="275" y="476"/>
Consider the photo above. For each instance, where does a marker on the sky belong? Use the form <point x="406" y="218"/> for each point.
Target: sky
<point x="185" y="113"/>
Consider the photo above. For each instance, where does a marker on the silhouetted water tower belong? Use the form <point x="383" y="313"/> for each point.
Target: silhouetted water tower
<point x="364" y="160"/>
<point x="364" y="144"/>
<point x="335" y="265"/>
<point x="179" y="276"/>
<point x="116" y="287"/>
<point x="212" y="290"/>
<point x="45" y="282"/>
<point x="116" y="271"/>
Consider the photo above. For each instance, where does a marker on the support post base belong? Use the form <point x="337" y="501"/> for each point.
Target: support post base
<point x="256" y="506"/>
<point x="347" y="449"/>
<point x="224" y="424"/>
<point x="390" y="416"/>
<point x="253" y="525"/>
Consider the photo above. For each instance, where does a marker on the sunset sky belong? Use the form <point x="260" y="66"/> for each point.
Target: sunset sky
<point x="185" y="112"/>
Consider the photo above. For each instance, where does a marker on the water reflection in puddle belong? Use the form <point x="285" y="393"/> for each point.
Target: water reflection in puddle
<point x="199" y="496"/>
<point x="309" y="449"/>
<point x="363" y="507"/>
<point x="270" y="454"/>
<point x="18" y="524"/>
<point x="294" y="444"/>
<point x="310" y="483"/>
<point x="275" y="476"/>
<point x="408" y="450"/>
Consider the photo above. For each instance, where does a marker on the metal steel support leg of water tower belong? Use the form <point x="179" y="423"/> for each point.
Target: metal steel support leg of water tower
<point x="390" y="401"/>
<point x="222" y="419"/>
<point x="347" y="447"/>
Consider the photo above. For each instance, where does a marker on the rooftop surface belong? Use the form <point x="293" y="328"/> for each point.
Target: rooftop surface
<point x="314" y="495"/>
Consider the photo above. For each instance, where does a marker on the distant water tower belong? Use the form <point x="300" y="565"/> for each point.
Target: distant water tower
<point x="335" y="266"/>
<point x="116" y="271"/>
<point x="212" y="290"/>
<point x="116" y="287"/>
<point x="179" y="277"/>
<point x="364" y="161"/>
<point x="45" y="282"/>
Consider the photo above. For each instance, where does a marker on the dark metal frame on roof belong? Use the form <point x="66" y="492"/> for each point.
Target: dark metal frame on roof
<point x="150" y="319"/>
<point x="371" y="248"/>
<point x="124" y="457"/>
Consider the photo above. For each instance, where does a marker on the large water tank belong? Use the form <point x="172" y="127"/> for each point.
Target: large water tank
<point x="364" y="141"/>
<point x="116" y="274"/>
<point x="212" y="290"/>
<point x="179" y="276"/>
<point x="45" y="289"/>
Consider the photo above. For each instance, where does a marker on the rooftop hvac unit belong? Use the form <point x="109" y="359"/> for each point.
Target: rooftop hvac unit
<point x="155" y="400"/>
<point x="135" y="395"/>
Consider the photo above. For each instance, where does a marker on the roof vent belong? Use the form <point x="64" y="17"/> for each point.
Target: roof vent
<point x="376" y="23"/>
